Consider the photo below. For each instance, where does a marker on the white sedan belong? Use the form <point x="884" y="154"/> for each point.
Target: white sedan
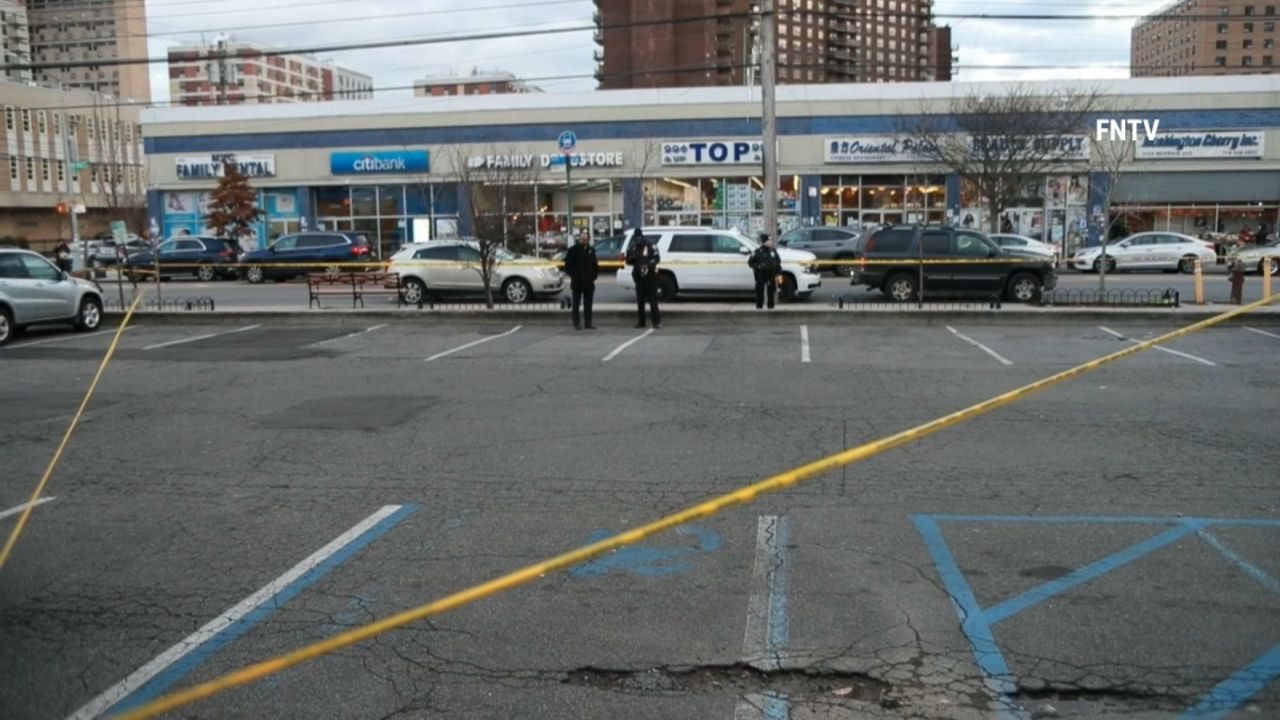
<point x="1255" y="257"/>
<point x="1024" y="244"/>
<point x="1168" y="251"/>
<point x="452" y="267"/>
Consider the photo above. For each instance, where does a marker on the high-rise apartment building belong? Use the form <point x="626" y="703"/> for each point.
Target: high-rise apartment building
<point x="672" y="43"/>
<point x="15" y="40"/>
<point x="79" y="31"/>
<point x="230" y="72"/>
<point x="477" y="83"/>
<point x="1203" y="37"/>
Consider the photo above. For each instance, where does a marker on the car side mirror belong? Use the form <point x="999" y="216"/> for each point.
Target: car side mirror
<point x="62" y="275"/>
<point x="271" y="248"/>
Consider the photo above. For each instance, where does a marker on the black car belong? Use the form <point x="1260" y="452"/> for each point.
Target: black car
<point x="981" y="267"/>
<point x="301" y="253"/>
<point x="826" y="243"/>
<point x="207" y="258"/>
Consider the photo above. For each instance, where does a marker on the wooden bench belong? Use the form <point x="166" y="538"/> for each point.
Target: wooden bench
<point x="356" y="285"/>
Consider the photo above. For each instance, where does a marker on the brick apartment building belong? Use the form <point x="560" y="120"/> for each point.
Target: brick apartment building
<point x="714" y="42"/>
<point x="230" y="72"/>
<point x="477" y="83"/>
<point x="87" y="30"/>
<point x="1198" y="37"/>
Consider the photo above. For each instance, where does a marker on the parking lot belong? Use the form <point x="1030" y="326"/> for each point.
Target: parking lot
<point x="240" y="489"/>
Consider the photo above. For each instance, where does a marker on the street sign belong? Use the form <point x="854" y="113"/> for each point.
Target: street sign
<point x="79" y="166"/>
<point x="119" y="232"/>
<point x="568" y="141"/>
<point x="78" y="208"/>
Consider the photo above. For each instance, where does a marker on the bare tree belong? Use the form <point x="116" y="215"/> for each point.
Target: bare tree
<point x="648" y="159"/>
<point x="496" y="191"/>
<point x="118" y="166"/>
<point x="1108" y="161"/>
<point x="1001" y="142"/>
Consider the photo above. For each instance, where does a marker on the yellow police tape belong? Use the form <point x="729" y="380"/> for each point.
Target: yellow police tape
<point x="66" y="437"/>
<point x="705" y="509"/>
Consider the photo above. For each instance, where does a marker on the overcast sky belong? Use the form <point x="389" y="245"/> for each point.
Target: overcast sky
<point x="1088" y="49"/>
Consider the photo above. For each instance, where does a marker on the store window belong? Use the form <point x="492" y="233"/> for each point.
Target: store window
<point x="858" y="200"/>
<point x="719" y="202"/>
<point x="390" y="215"/>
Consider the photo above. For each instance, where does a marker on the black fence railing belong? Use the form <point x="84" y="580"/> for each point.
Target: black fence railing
<point x="1129" y="297"/>
<point x="851" y="302"/>
<point x="437" y="303"/>
<point x="175" y="304"/>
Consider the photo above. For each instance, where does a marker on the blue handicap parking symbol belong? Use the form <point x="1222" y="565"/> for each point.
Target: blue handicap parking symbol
<point x="645" y="560"/>
<point x="978" y="622"/>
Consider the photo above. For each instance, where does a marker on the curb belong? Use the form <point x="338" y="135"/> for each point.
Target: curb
<point x="617" y="315"/>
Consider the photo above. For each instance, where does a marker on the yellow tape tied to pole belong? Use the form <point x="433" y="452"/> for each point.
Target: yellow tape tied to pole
<point x="702" y="510"/>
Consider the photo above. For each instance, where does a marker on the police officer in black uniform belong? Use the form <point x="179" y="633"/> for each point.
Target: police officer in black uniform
<point x="643" y="258"/>
<point x="767" y="264"/>
<point x="582" y="267"/>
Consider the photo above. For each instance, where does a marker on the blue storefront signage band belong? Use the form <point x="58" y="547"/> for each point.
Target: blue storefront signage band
<point x="379" y="162"/>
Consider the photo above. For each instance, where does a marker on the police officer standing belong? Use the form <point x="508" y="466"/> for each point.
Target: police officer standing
<point x="767" y="265"/>
<point x="582" y="267"/>
<point x="643" y="258"/>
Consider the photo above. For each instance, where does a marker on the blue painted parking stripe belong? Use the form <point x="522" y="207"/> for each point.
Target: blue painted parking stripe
<point x="779" y="634"/>
<point x="1237" y="689"/>
<point x="986" y="653"/>
<point x="1253" y="570"/>
<point x="1105" y="520"/>
<point x="1078" y="577"/>
<point x="157" y="676"/>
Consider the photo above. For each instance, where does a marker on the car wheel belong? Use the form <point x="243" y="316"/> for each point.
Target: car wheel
<point x="517" y="291"/>
<point x="1024" y="288"/>
<point x="255" y="274"/>
<point x="415" y="291"/>
<point x="1275" y="267"/>
<point x="666" y="287"/>
<point x="205" y="272"/>
<point x="1187" y="264"/>
<point x="787" y="291"/>
<point x="90" y="315"/>
<point x="7" y="328"/>
<point x="1111" y="265"/>
<point x="843" y="270"/>
<point x="900" y="288"/>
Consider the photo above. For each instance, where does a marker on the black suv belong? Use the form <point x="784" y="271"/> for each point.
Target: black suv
<point x="1016" y="277"/>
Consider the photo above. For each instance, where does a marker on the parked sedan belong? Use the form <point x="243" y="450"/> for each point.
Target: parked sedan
<point x="301" y="253"/>
<point x="207" y="258"/>
<point x="452" y="267"/>
<point x="1256" y="257"/>
<point x="1167" y="251"/>
<point x="826" y="243"/>
<point x="33" y="291"/>
<point x="1023" y="245"/>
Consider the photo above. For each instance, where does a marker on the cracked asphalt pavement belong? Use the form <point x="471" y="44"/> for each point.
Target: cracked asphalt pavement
<point x="1105" y="548"/>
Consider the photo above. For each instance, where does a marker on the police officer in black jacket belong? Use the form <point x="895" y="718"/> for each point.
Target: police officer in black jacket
<point x="582" y="267"/>
<point x="767" y="264"/>
<point x="643" y="258"/>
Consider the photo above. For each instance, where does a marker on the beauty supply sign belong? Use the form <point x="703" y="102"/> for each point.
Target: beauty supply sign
<point x="1201" y="145"/>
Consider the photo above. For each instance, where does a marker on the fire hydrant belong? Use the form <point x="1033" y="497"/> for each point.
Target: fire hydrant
<point x="1237" y="281"/>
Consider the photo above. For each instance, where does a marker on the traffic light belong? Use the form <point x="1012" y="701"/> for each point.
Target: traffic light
<point x="63" y="209"/>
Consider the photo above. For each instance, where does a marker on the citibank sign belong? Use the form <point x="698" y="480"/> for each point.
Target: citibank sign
<point x="379" y="162"/>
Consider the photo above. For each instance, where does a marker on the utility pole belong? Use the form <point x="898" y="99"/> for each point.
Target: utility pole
<point x="769" y="122"/>
<point x="72" y="152"/>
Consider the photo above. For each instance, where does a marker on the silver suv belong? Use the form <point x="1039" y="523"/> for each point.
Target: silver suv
<point x="33" y="291"/>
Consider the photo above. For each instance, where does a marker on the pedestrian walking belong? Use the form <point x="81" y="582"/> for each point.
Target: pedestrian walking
<point x="643" y="258"/>
<point x="583" y="268"/>
<point x="767" y="265"/>
<point x="62" y="256"/>
<point x="1237" y="281"/>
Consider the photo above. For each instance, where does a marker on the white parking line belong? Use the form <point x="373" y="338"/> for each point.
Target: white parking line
<point x="200" y="337"/>
<point x="804" y="343"/>
<point x="62" y="338"/>
<point x="1188" y="356"/>
<point x="1263" y="332"/>
<point x="627" y="344"/>
<point x="350" y="335"/>
<point x="19" y="508"/>
<point x="228" y="619"/>
<point x="979" y="345"/>
<point x="437" y="356"/>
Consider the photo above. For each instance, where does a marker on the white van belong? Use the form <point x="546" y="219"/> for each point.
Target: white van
<point x="717" y="264"/>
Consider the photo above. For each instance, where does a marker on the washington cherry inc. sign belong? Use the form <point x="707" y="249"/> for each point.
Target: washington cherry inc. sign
<point x="200" y="167"/>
